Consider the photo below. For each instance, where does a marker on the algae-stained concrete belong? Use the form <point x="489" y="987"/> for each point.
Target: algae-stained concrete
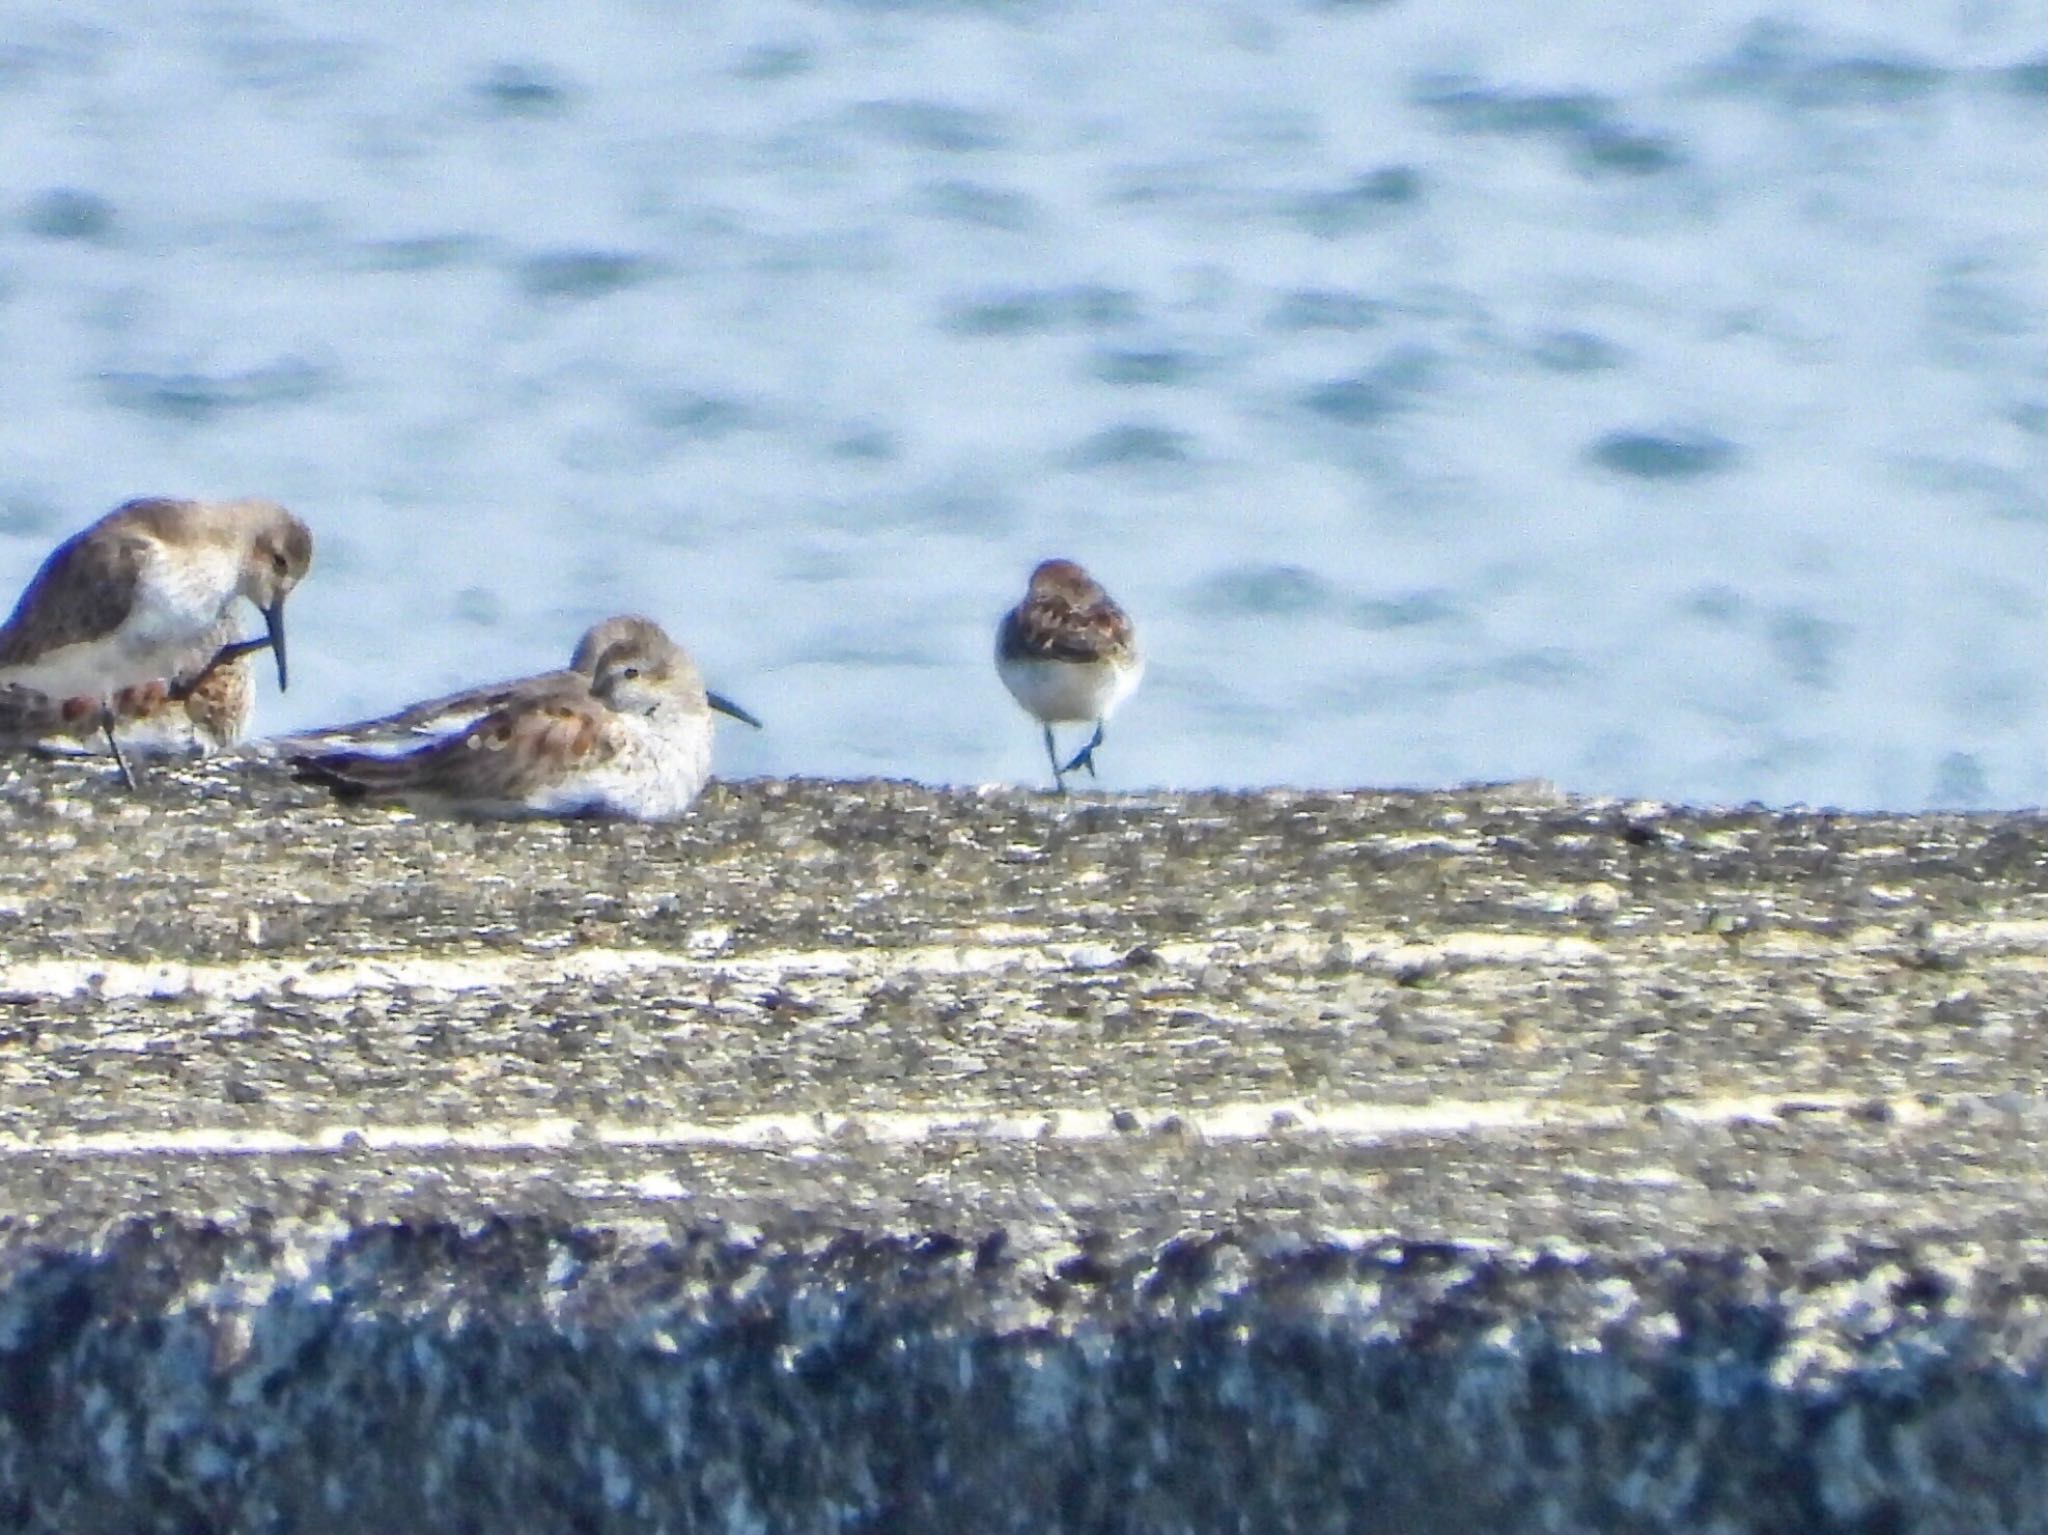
<point x="874" y="1157"/>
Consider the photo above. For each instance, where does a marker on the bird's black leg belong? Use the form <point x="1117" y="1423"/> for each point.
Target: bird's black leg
<point x="114" y="747"/>
<point x="1085" y="757"/>
<point x="1059" y="774"/>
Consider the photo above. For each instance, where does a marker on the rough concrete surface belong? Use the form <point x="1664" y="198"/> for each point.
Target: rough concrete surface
<point x="870" y="1157"/>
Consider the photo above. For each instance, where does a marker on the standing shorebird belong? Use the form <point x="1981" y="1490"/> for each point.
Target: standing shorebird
<point x="455" y="712"/>
<point x="1069" y="655"/>
<point x="632" y="743"/>
<point x="137" y="600"/>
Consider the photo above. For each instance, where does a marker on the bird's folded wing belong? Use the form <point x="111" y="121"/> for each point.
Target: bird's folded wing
<point x="506" y="755"/>
<point x="82" y="593"/>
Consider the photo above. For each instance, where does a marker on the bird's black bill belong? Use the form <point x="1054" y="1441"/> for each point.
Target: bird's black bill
<point x="725" y="705"/>
<point x="273" y="619"/>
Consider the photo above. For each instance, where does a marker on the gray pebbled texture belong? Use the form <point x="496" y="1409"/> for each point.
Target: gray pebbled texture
<point x="871" y="1157"/>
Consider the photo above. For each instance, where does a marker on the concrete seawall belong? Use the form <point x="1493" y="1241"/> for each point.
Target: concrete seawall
<point x="872" y="1157"/>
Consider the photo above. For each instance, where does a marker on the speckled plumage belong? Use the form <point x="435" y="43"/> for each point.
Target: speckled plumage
<point x="631" y="742"/>
<point x="433" y="718"/>
<point x="127" y="609"/>
<point x="134" y="597"/>
<point x="1069" y="655"/>
<point x="450" y="713"/>
<point x="180" y="717"/>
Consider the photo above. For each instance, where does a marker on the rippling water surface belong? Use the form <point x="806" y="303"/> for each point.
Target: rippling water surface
<point x="1652" y="398"/>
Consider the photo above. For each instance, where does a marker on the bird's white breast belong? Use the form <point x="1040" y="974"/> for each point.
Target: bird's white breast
<point x="1063" y="692"/>
<point x="660" y="769"/>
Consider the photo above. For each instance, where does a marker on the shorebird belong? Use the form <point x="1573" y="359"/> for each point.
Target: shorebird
<point x="136" y="600"/>
<point x="633" y="743"/>
<point x="204" y="712"/>
<point x="454" y="712"/>
<point x="1069" y="655"/>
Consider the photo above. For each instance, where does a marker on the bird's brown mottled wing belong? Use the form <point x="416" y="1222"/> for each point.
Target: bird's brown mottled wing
<point x="82" y="593"/>
<point x="28" y="715"/>
<point x="503" y="757"/>
<point x="1049" y="628"/>
<point x="218" y="708"/>
<point x="470" y="704"/>
<point x="219" y="704"/>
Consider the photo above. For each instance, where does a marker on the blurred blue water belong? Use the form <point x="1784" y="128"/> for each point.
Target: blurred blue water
<point x="1653" y="401"/>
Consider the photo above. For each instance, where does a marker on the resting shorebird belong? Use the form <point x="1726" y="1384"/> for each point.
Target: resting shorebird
<point x="455" y="712"/>
<point x="633" y="743"/>
<point x="1069" y="655"/>
<point x="197" y="715"/>
<point x="136" y="601"/>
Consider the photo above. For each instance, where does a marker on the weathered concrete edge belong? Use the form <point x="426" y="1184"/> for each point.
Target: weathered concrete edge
<point x="404" y="1372"/>
<point x="532" y="1375"/>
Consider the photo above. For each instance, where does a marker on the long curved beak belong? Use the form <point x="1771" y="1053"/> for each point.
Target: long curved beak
<point x="724" y="705"/>
<point x="273" y="620"/>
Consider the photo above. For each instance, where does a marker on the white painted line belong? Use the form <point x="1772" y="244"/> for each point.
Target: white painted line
<point x="999" y="950"/>
<point x="329" y="980"/>
<point x="1244" y="1121"/>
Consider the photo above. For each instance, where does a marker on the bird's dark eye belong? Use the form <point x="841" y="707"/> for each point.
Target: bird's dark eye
<point x="279" y="563"/>
<point x="629" y="672"/>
